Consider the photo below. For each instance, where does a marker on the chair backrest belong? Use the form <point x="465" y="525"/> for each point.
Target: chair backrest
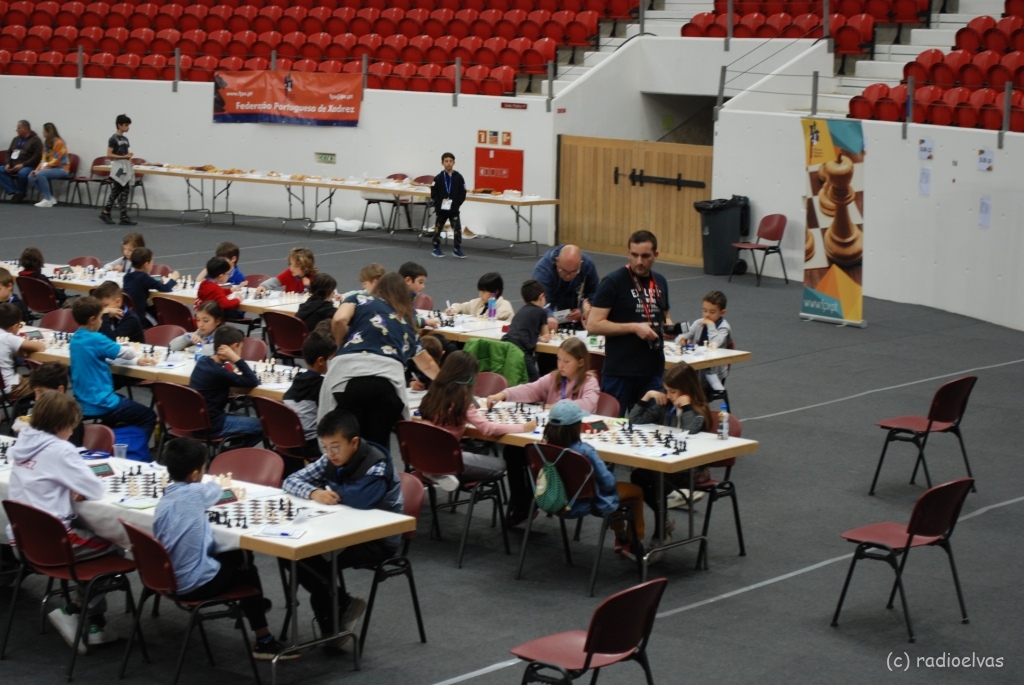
<point x="152" y="560"/>
<point x="429" y="449"/>
<point x="950" y="401"/>
<point x="59" y="320"/>
<point x="250" y="464"/>
<point x="254" y="280"/>
<point x="85" y="261"/>
<point x="285" y="331"/>
<point x="607" y="405"/>
<point x="180" y="407"/>
<point x="489" y="383"/>
<point x="162" y="335"/>
<point x="172" y="312"/>
<point x="98" y="437"/>
<point x="38" y="295"/>
<point x="158" y="270"/>
<point x="624" y="621"/>
<point x="576" y="471"/>
<point x="412" y="499"/>
<point x="937" y="510"/>
<point x="281" y="425"/>
<point x="772" y="227"/>
<point x="423" y="301"/>
<point x="254" y="349"/>
<point x="41" y="537"/>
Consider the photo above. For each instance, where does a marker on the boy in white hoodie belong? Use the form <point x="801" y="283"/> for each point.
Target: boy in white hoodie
<point x="49" y="474"/>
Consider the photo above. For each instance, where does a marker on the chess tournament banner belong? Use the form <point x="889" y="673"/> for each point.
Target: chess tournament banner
<point x="834" y="240"/>
<point x="286" y="97"/>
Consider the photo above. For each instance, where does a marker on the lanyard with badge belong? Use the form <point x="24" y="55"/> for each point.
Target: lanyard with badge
<point x="446" y="204"/>
<point x="17" y="152"/>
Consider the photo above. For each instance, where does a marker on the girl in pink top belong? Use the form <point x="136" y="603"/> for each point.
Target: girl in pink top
<point x="572" y="380"/>
<point x="449" y="404"/>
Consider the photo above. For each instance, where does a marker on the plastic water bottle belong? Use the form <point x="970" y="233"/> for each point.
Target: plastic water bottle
<point x="723" y="423"/>
<point x="492" y="308"/>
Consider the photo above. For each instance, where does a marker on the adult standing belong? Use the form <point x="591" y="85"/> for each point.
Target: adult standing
<point x="377" y="337"/>
<point x="570" y="280"/>
<point x="56" y="163"/>
<point x="631" y="309"/>
<point x="23" y="156"/>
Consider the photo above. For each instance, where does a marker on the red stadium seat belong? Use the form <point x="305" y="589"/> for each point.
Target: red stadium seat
<point x="387" y="23"/>
<point x="881" y="10"/>
<point x="339" y="20"/>
<point x="531" y="26"/>
<point x="411" y="24"/>
<point x="231" y="63"/>
<point x="697" y="25"/>
<point x="850" y="8"/>
<point x="216" y="44"/>
<point x="139" y="40"/>
<point x="217" y="18"/>
<point x="466" y="50"/>
<point x="315" y="46"/>
<point x="501" y="81"/>
<point x="366" y="45"/>
<point x="143" y="16"/>
<point x="340" y="47"/>
<point x="69" y="14"/>
<point x="809" y="26"/>
<point x="512" y="55"/>
<point x="99" y="65"/>
<point x="308" y="65"/>
<point x="720" y="27"/>
<point x="391" y="49"/>
<point x="1014" y="63"/>
<point x="167" y="17"/>
<point x="192" y="18"/>
<point x="436" y="25"/>
<point x="241" y="19"/>
<point x="947" y="72"/>
<point x="113" y="40"/>
<point x="856" y="37"/>
<point x="910" y="12"/>
<point x="125" y="66"/>
<point x="118" y="15"/>
<point x="63" y="38"/>
<point x="5" y="60"/>
<point x="484" y="26"/>
<point x="12" y="37"/>
<point x="445" y="81"/>
<point x="37" y="38"/>
<point x="241" y="44"/>
<point x="749" y="24"/>
<point x="88" y="38"/>
<point x="376" y="73"/>
<point x="328" y="66"/>
<point x="353" y="67"/>
<point x="775" y="25"/>
<point x="537" y="56"/>
<point x="315" y="20"/>
<point x="256" y="64"/>
<point x="18" y="13"/>
<point x="291" y="19"/>
<point x="22" y="63"/>
<point x="95" y="14"/>
<point x="151" y="67"/>
<point x="191" y="42"/>
<point x="969" y="37"/>
<point x="508" y="27"/>
<point x="267" y="42"/>
<point x="461" y="23"/>
<point x="861" y="108"/>
<point x="555" y="27"/>
<point x="974" y="73"/>
<point x="476" y="75"/>
<point x="202" y="68"/>
<point x="398" y="79"/>
<point x="500" y="5"/>
<point x="266" y="19"/>
<point x="362" y="23"/>
<point x="440" y="52"/>
<point x="165" y="41"/>
<point x="998" y="38"/>
<point x="488" y="54"/>
<point x="48" y="63"/>
<point x="920" y="68"/>
<point x="424" y="77"/>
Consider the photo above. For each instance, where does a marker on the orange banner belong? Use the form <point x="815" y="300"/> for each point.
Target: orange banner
<point x="287" y="97"/>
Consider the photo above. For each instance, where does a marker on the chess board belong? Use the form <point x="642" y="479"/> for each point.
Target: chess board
<point x="5" y="445"/>
<point x="273" y="374"/>
<point x="517" y="413"/>
<point x="648" y="441"/>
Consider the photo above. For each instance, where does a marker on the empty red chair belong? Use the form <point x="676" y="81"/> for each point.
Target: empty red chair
<point x="308" y="65"/>
<point x="217" y="18"/>
<point x="850" y="8"/>
<point x="69" y="14"/>
<point x="531" y="26"/>
<point x="554" y="28"/>
<point x="143" y="16"/>
<point x="749" y="24"/>
<point x="946" y="72"/>
<point x="809" y="26"/>
<point x="337" y="24"/>
<point x="12" y="37"/>
<point x="440" y="51"/>
<point x="151" y="67"/>
<point x="119" y="15"/>
<point x="376" y="73"/>
<point x="924" y="98"/>
<point x="387" y="23"/>
<point x="241" y="19"/>
<point x="340" y="47"/>
<point x="720" y="27"/>
<point x="488" y="54"/>
<point x="920" y="68"/>
<point x="910" y="12"/>
<point x="192" y="18"/>
<point x="856" y="37"/>
<point x="88" y="38"/>
<point x="466" y="50"/>
<point x="501" y="81"/>
<point x="1014" y="63"/>
<point x="256" y="64"/>
<point x="969" y="37"/>
<point x="231" y="63"/>
<point x="125" y="66"/>
<point x="241" y="44"/>
<point x="508" y="27"/>
<point x="48" y="63"/>
<point x="512" y="55"/>
<point x="315" y="20"/>
<point x="63" y="38"/>
<point x="398" y="79"/>
<point x="881" y="10"/>
<point x="202" y="68"/>
<point x="697" y="25"/>
<point x="138" y="41"/>
<point x="266" y="19"/>
<point x="952" y="100"/>
<point x="216" y="44"/>
<point x="328" y="66"/>
<point x="460" y="24"/>
<point x="436" y="25"/>
<point x="99" y="65"/>
<point x="165" y="41"/>
<point x="69" y="69"/>
<point x="265" y="43"/>
<point x="18" y="13"/>
<point x="95" y="14"/>
<point x="424" y="77"/>
<point x="536" y="57"/>
<point x="315" y="46"/>
<point x="411" y="24"/>
<point x="5" y="59"/>
<point x="861" y="108"/>
<point x="972" y="74"/>
<point x="774" y="25"/>
<point x="484" y="25"/>
<point x="37" y="38"/>
<point x="362" y="23"/>
<point x="291" y="19"/>
<point x="353" y="67"/>
<point x="742" y="7"/>
<point x="445" y="81"/>
<point x="191" y="42"/>
<point x="998" y="37"/>
<point x="391" y="49"/>
<point x="113" y="40"/>
<point x="366" y="45"/>
<point x="1013" y="8"/>
<point x="22" y="63"/>
<point x="476" y="75"/>
<point x="167" y="17"/>
<point x="44" y="13"/>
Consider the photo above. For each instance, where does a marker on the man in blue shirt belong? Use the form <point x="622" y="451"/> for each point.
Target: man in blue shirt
<point x="570" y="280"/>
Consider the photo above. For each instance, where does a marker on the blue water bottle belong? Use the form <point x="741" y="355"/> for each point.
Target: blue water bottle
<point x="492" y="308"/>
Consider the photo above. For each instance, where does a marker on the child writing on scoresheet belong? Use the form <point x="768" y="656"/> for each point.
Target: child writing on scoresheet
<point x="713" y="329"/>
<point x="209" y="317"/>
<point x="449" y="404"/>
<point x="490" y="285"/>
<point x="124" y="262"/>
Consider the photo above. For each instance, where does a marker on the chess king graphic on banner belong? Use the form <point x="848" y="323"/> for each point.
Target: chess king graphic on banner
<point x="834" y="238"/>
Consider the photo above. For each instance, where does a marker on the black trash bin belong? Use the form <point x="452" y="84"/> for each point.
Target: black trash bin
<point x="722" y="223"/>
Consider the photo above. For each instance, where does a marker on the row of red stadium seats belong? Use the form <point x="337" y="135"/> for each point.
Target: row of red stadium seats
<point x="756" y="25"/>
<point x="985" y="33"/>
<point x="961" y="107"/>
<point x="962" y="68"/>
<point x="889" y="11"/>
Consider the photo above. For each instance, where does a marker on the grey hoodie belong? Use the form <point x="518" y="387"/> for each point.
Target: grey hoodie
<point x="47" y="472"/>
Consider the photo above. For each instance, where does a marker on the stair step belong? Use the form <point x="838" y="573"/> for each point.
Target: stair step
<point x="992" y="8"/>
<point x="879" y="70"/>
<point x="933" y="37"/>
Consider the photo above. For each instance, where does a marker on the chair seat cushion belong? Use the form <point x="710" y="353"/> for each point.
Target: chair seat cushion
<point x="85" y="571"/>
<point x="891" y="534"/>
<point x="566" y="650"/>
<point x="914" y="424"/>
<point x="752" y="246"/>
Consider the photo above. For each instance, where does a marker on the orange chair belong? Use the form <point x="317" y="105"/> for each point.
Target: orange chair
<point x="771" y="229"/>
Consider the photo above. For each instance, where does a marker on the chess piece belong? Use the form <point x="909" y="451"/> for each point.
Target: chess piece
<point x="825" y="201"/>
<point x="808" y="244"/>
<point x="844" y="240"/>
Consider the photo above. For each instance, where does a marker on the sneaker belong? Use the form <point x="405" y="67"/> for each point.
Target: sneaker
<point x="349" y="619"/>
<point x="105" y="217"/>
<point x="677" y="499"/>
<point x="266" y="651"/>
<point x="46" y="203"/>
<point x="67" y="625"/>
<point x="458" y="254"/>
<point x="446" y="483"/>
<point x="127" y="221"/>
<point x="437" y="252"/>
<point x="655" y="556"/>
<point x="624" y="550"/>
<point x="101" y="635"/>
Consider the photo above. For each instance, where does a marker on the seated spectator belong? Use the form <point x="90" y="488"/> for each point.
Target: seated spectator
<point x="23" y="157"/>
<point x="55" y="164"/>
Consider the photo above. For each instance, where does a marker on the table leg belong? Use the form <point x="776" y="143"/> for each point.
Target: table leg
<point x="226" y="192"/>
<point x="189" y="188"/>
<point x="302" y="202"/>
<point x="517" y="210"/>
<point x="316" y="209"/>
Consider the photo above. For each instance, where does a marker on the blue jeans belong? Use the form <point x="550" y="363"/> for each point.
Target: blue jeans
<point x="236" y="424"/>
<point x="131" y="413"/>
<point x="629" y="389"/>
<point x="41" y="180"/>
<point x="15" y="185"/>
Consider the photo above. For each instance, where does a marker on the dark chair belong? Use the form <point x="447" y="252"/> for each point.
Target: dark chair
<point x="157" y="574"/>
<point x="158" y="270"/>
<point x="172" y="312"/>
<point x="44" y="548"/>
<point x="944" y="416"/>
<point x="412" y="496"/>
<point x="182" y="412"/>
<point x="285" y="333"/>
<point x="423" y="301"/>
<point x="619" y="631"/>
<point x="429" y="449"/>
<point x="77" y="182"/>
<point x="59" y="320"/>
<point x="250" y="464"/>
<point x="85" y="261"/>
<point x="931" y="524"/>
<point x="38" y="295"/>
<point x="98" y="438"/>
<point x="489" y="383"/>
<point x="163" y="335"/>
<point x="723" y="394"/>
<point x="717" y="489"/>
<point x="254" y="349"/>
<point x="607" y="405"/>
<point x="282" y="428"/>
<point x="577" y="475"/>
<point x="771" y="228"/>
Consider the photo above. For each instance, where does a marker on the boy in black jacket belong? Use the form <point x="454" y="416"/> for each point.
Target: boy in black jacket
<point x="448" y="193"/>
<point x="304" y="395"/>
<point x="530" y="325"/>
<point x="214" y="376"/>
<point x="118" y="320"/>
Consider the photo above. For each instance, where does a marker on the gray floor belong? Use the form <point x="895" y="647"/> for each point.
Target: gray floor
<point x="810" y="396"/>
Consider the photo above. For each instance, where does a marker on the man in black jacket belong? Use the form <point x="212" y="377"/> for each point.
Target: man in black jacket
<point x="23" y="156"/>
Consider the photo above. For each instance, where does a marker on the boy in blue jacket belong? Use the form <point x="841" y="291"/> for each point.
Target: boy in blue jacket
<point x="358" y="474"/>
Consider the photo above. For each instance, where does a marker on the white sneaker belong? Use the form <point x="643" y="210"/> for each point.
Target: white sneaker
<point x="46" y="203"/>
<point x="67" y="625"/>
<point x="677" y="499"/>
<point x="349" y="619"/>
<point x="446" y="483"/>
<point x="101" y="636"/>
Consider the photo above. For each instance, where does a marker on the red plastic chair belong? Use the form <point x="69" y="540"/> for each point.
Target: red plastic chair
<point x="143" y="16"/>
<point x="308" y="65"/>
<point x="969" y="38"/>
<point x="119" y="15"/>
<point x="44" y="548"/>
<point x="182" y="413"/>
<point x="974" y="74"/>
<point x="190" y="42"/>
<point x="291" y="19"/>
<point x="512" y="55"/>
<point x="63" y="38"/>
<point x="387" y="23"/>
<point x="241" y="43"/>
<point x="265" y="43"/>
<point x="138" y="41"/>
<point x="944" y="416"/>
<point x="113" y="40"/>
<point x="157" y="573"/>
<point x="217" y="18"/>
<point x="250" y="464"/>
<point x="436" y="24"/>
<point x="69" y="14"/>
<point x="931" y="524"/>
<point x="719" y="28"/>
<point x="366" y="45"/>
<point x="953" y="98"/>
<point x="411" y="23"/>
<point x="508" y="26"/>
<point x="484" y="25"/>
<point x="216" y="43"/>
<point x="460" y="24"/>
<point x="619" y="631"/>
<point x="488" y="54"/>
<point x="467" y="49"/>
<point x="282" y="428"/>
<point x="440" y="51"/>
<point x="98" y="438"/>
<point x="340" y="46"/>
<point x="167" y="17"/>
<point x="286" y="333"/>
<point x="37" y="38"/>
<point x="429" y="449"/>
<point x="48" y="64"/>
<point x="315" y="20"/>
<point x="163" y="335"/>
<point x="230" y="63"/>
<point x="124" y="66"/>
<point x="165" y="41"/>
<point x="398" y="79"/>
<point x="95" y="14"/>
<point x="362" y="23"/>
<point x="607" y="405"/>
<point x="23" y="63"/>
<point x="805" y="26"/>
<point x="749" y="24"/>
<point x="171" y="312"/>
<point x="390" y="50"/>
<point x="241" y="18"/>
<point x="266" y="19"/>
<point x="315" y="46"/>
<point x="192" y="18"/>
<point x="338" y="22"/>
<point x="501" y="81"/>
<point x="775" y="25"/>
<point x="771" y="228"/>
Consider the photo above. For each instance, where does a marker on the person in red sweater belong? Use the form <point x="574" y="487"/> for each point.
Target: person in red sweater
<point x="213" y="288"/>
<point x="296" y="278"/>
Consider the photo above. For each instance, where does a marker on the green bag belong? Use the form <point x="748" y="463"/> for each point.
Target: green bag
<point x="549" y="489"/>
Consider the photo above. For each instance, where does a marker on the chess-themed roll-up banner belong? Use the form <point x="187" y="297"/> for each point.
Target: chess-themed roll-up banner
<point x="287" y="97"/>
<point x="834" y="238"/>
